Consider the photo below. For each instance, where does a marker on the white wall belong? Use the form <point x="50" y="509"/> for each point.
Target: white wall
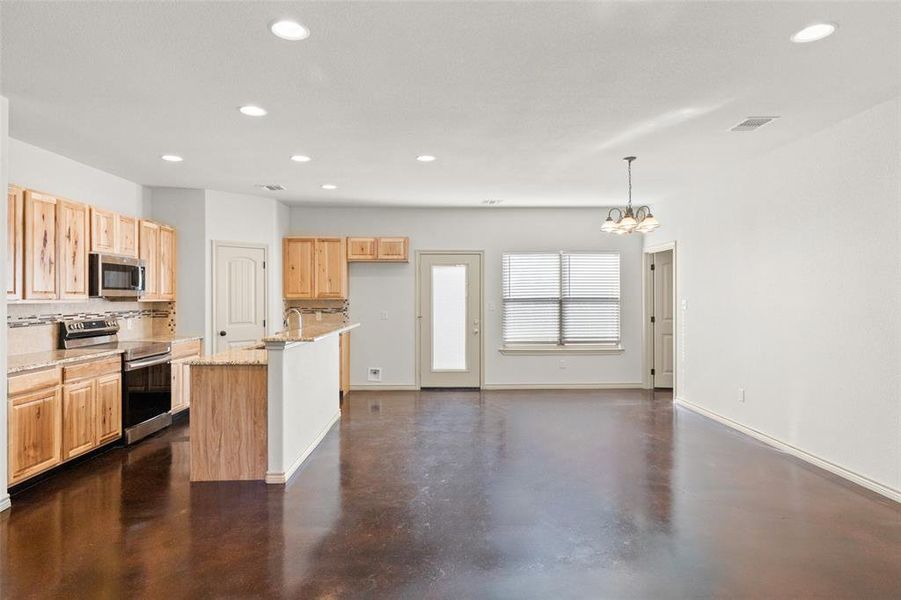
<point x="255" y="220"/>
<point x="389" y="287"/>
<point x="39" y="169"/>
<point x="185" y="209"/>
<point x="790" y="266"/>
<point x="4" y="171"/>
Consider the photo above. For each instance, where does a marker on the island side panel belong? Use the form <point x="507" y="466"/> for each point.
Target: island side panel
<point x="304" y="402"/>
<point x="228" y="422"/>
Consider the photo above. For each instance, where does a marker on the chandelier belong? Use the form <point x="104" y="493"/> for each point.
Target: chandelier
<point x="629" y="220"/>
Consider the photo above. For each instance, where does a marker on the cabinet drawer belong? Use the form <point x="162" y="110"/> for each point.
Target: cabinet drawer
<point x="20" y="384"/>
<point x="95" y="368"/>
<point x="182" y="349"/>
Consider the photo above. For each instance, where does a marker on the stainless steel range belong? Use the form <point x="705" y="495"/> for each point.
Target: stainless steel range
<point x="146" y="375"/>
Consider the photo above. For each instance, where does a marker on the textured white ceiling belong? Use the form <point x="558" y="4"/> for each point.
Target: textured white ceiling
<point x="534" y="104"/>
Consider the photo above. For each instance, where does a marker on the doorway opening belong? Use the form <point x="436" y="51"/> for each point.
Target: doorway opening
<point x="449" y="319"/>
<point x="660" y="316"/>
<point x="239" y="294"/>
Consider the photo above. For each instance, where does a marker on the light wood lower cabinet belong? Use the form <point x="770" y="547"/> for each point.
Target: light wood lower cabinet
<point x="58" y="414"/>
<point x="109" y="408"/>
<point x="182" y="352"/>
<point x="34" y="433"/>
<point x="344" y="368"/>
<point x="79" y="431"/>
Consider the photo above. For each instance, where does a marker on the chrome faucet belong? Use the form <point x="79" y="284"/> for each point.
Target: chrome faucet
<point x="287" y="318"/>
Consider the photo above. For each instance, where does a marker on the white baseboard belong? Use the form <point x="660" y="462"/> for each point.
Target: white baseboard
<point x="383" y="387"/>
<point x="563" y="386"/>
<point x="813" y="459"/>
<point x="283" y="478"/>
<point x="5" y="503"/>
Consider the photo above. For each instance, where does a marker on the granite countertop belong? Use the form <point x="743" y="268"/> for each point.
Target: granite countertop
<point x="249" y="355"/>
<point x="18" y="363"/>
<point x="310" y="333"/>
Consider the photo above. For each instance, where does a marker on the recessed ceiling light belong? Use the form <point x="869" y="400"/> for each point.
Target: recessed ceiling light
<point x="425" y="158"/>
<point x="814" y="32"/>
<point x="171" y="158"/>
<point x="253" y="111"/>
<point x="301" y="158"/>
<point x="289" y="30"/>
<point x="329" y="186"/>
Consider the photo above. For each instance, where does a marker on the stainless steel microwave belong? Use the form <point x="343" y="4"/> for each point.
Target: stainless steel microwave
<point x="112" y="276"/>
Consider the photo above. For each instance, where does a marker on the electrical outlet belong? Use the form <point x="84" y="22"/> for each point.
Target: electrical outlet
<point x="129" y="323"/>
<point x="318" y="315"/>
<point x="562" y="364"/>
<point x="384" y="315"/>
<point x="491" y="306"/>
<point x="375" y="374"/>
<point x="741" y="395"/>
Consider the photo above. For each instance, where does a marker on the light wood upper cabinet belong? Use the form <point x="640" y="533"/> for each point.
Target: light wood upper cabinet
<point x="393" y="249"/>
<point x="330" y="280"/>
<point x="40" y="245"/>
<point x="72" y="245"/>
<point x="79" y="430"/>
<point x="34" y="433"/>
<point x="167" y="263"/>
<point x="362" y="249"/>
<point x="104" y="231"/>
<point x="298" y="267"/>
<point x="383" y="249"/>
<point x="127" y="236"/>
<point x="149" y="250"/>
<point x="108" y="407"/>
<point x="15" y="242"/>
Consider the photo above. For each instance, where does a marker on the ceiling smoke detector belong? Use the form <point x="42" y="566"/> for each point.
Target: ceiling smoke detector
<point x="272" y="187"/>
<point x="753" y="123"/>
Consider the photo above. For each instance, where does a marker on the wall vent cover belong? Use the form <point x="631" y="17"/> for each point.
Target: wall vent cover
<point x="753" y="123"/>
<point x="272" y="187"/>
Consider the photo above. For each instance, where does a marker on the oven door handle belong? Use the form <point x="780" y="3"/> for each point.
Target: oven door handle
<point x="147" y="362"/>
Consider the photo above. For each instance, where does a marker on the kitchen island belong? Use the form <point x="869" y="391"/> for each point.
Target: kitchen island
<point x="258" y="412"/>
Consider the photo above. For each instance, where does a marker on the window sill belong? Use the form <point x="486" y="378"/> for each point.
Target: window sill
<point x="538" y="349"/>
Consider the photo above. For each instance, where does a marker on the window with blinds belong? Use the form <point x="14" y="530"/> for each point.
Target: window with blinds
<point x="562" y="298"/>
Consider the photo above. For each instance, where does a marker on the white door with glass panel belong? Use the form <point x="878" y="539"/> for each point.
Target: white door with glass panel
<point x="450" y="320"/>
<point x="239" y="294"/>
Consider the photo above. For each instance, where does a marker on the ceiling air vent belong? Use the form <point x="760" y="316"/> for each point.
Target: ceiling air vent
<point x="491" y="202"/>
<point x="753" y="123"/>
<point x="272" y="187"/>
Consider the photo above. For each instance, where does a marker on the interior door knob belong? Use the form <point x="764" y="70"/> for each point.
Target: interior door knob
<point x="222" y="333"/>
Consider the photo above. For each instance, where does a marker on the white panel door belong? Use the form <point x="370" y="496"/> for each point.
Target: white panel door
<point x="663" y="319"/>
<point x="239" y="290"/>
<point x="450" y="319"/>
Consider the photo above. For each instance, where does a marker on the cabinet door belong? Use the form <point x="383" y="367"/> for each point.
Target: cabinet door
<point x="40" y="245"/>
<point x="79" y="421"/>
<point x="331" y="268"/>
<point x="127" y="236"/>
<point x="109" y="408"/>
<point x="178" y="381"/>
<point x="15" y="242"/>
<point x="361" y="248"/>
<point x="297" y="255"/>
<point x="344" y="368"/>
<point x="393" y="248"/>
<point x="34" y="433"/>
<point x="72" y="228"/>
<point x="167" y="263"/>
<point x="149" y="244"/>
<point x="103" y="231"/>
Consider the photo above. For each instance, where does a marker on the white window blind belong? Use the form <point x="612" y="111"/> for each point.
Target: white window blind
<point x="561" y="298"/>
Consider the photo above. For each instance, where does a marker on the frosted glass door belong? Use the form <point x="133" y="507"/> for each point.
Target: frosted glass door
<point x="450" y="301"/>
<point x="449" y="317"/>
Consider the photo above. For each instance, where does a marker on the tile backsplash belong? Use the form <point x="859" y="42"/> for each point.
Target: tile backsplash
<point x="32" y="327"/>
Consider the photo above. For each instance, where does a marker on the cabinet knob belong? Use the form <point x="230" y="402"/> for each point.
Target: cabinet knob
<point x="222" y="333"/>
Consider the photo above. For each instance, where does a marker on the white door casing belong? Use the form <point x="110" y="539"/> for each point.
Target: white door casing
<point x="450" y="319"/>
<point x="239" y="294"/>
<point x="664" y="347"/>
